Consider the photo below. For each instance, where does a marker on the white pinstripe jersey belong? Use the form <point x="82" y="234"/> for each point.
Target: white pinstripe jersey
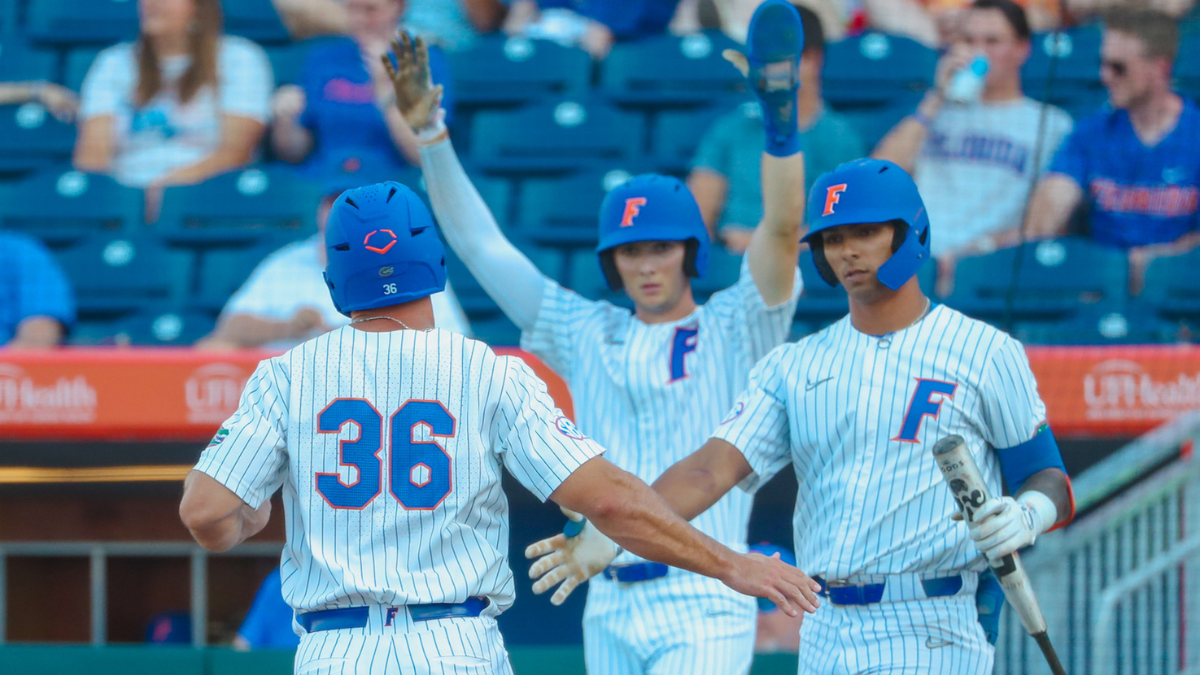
<point x="651" y="394"/>
<point x="421" y="423"/>
<point x="857" y="415"/>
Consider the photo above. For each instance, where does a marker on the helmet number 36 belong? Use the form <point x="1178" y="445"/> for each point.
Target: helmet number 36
<point x="419" y="471"/>
<point x="389" y="289"/>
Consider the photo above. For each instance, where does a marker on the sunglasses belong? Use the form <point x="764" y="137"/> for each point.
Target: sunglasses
<point x="1118" y="68"/>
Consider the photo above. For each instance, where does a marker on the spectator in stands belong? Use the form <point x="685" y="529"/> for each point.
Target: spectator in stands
<point x="285" y="300"/>
<point x="593" y="25"/>
<point x="268" y="624"/>
<point x="344" y="99"/>
<point x="935" y="22"/>
<point x="726" y="172"/>
<point x="454" y="25"/>
<point x="975" y="162"/>
<point x="60" y="101"/>
<point x="36" y="302"/>
<point x="1137" y="161"/>
<point x="1082" y="10"/>
<point x="179" y="105"/>
<point x="733" y="16"/>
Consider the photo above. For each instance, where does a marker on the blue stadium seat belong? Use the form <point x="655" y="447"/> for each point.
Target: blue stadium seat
<point x="238" y="207"/>
<point x="872" y="124"/>
<point x="820" y="304"/>
<point x="874" y="71"/>
<point x="554" y="136"/>
<point x="77" y="65"/>
<point x="254" y="19"/>
<point x="497" y="331"/>
<point x="19" y="62"/>
<point x="1187" y="67"/>
<point x="724" y="268"/>
<point x="165" y="326"/>
<point x="475" y="302"/>
<point x="8" y="15"/>
<point x="222" y="271"/>
<point x="1056" y="278"/>
<point x="114" y="274"/>
<point x="1074" y="61"/>
<point x="501" y="71"/>
<point x="1172" y="286"/>
<point x="62" y="205"/>
<point x="1102" y="324"/>
<point x="676" y="134"/>
<point x="562" y="212"/>
<point x="73" y="21"/>
<point x="497" y="194"/>
<point x="286" y="63"/>
<point x="586" y="279"/>
<point x="31" y="138"/>
<point x="670" y="71"/>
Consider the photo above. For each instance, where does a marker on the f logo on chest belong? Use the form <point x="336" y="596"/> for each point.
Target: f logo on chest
<point x="682" y="344"/>
<point x="926" y="401"/>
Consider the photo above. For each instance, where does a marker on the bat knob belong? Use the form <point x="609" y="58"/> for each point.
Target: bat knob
<point x="948" y="444"/>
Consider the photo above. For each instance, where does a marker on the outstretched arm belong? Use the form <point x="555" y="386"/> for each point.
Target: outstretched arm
<point x="692" y="485"/>
<point x="512" y="280"/>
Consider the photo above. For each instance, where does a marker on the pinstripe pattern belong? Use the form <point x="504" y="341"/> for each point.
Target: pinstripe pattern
<point x="833" y="405"/>
<point x="619" y="373"/>
<point x="445" y="647"/>
<point x="384" y="555"/>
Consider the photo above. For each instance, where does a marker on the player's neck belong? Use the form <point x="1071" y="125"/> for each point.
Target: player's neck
<point x="416" y="315"/>
<point x="680" y="310"/>
<point x="891" y="311"/>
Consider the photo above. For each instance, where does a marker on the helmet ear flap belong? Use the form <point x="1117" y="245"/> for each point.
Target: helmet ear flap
<point x="609" y="266"/>
<point x="823" y="267"/>
<point x="689" y="258"/>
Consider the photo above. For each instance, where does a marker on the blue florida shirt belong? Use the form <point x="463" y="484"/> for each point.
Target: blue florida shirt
<point x="31" y="284"/>
<point x="1138" y="195"/>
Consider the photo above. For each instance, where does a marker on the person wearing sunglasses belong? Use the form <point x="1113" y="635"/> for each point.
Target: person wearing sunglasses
<point x="1136" y="161"/>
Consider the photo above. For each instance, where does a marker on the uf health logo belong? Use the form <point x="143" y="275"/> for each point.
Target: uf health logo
<point x="926" y="401"/>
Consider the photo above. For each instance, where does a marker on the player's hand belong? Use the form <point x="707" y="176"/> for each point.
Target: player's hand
<point x="419" y="101"/>
<point x="569" y="559"/>
<point x="791" y="590"/>
<point x="1004" y="525"/>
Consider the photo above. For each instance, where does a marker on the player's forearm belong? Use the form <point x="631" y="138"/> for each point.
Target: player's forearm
<point x="1056" y="486"/>
<point x="775" y="246"/>
<point x="692" y="485"/>
<point x="505" y="273"/>
<point x="217" y="521"/>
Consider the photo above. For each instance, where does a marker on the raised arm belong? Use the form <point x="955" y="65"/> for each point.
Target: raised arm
<point x="512" y="280"/>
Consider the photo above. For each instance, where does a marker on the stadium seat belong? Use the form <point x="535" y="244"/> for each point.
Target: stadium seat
<point x="114" y="274"/>
<point x="222" y="271"/>
<point x="497" y="194"/>
<point x="562" y="212"/>
<point x="1172" y="287"/>
<point x="165" y="326"/>
<point x="475" y="302"/>
<point x="502" y="71"/>
<point x="8" y="15"/>
<point x="62" y="205"/>
<point x="1100" y="325"/>
<point x="820" y="304"/>
<point x="73" y="21"/>
<point x="676" y="134"/>
<point x="1187" y="67"/>
<point x="724" y="268"/>
<point x="554" y="137"/>
<point x="31" y="138"/>
<point x="238" y="207"/>
<point x="668" y="70"/>
<point x="253" y="19"/>
<point x="1055" y="277"/>
<point x="19" y="62"/>
<point x="876" y="71"/>
<point x="77" y="65"/>
<point x="872" y="124"/>
<point x="588" y="280"/>
<point x="497" y="331"/>
<point x="1073" y="60"/>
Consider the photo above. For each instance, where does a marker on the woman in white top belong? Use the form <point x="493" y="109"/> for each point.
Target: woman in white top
<point x="179" y="105"/>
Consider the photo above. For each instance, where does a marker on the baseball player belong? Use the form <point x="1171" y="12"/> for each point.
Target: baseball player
<point x="650" y="384"/>
<point x="855" y="409"/>
<point x="388" y="436"/>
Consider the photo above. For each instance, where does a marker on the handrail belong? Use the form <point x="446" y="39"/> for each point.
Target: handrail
<point x="1114" y="593"/>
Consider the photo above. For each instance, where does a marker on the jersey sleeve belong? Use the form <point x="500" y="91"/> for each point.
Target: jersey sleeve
<point x="757" y="425"/>
<point x="1071" y="158"/>
<point x="555" y="332"/>
<point x="107" y="82"/>
<point x="539" y="446"/>
<point x="1012" y="409"/>
<point x="756" y="327"/>
<point x="249" y="453"/>
<point x="246" y="80"/>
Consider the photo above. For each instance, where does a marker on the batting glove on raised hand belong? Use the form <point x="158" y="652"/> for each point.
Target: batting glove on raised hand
<point x="573" y="557"/>
<point x="1004" y="525"/>
<point x="418" y="99"/>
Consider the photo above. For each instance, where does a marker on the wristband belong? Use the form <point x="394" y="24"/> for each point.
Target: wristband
<point x="435" y="132"/>
<point x="1042" y="506"/>
<point x="922" y="119"/>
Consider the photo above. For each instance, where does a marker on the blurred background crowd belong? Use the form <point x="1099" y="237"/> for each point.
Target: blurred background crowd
<point x="166" y="165"/>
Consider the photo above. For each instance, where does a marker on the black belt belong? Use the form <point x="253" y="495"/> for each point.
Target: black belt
<point x="356" y="617"/>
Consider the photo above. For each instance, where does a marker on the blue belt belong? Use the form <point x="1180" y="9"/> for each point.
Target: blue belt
<point x="842" y="593"/>
<point x="356" y="617"/>
<point x="633" y="573"/>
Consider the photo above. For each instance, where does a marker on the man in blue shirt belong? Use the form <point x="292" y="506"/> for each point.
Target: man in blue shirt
<point x="1137" y="161"/>
<point x="36" y="302"/>
<point x="268" y="624"/>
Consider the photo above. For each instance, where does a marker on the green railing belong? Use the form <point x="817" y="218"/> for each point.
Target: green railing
<point x="141" y="660"/>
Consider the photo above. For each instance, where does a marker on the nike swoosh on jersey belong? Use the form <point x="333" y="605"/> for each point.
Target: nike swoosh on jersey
<point x="813" y="385"/>
<point x="930" y="643"/>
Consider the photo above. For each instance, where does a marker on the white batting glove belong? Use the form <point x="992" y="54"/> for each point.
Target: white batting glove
<point x="571" y="560"/>
<point x="1004" y="525"/>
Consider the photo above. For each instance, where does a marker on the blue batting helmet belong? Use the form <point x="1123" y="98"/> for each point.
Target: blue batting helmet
<point x="382" y="249"/>
<point x="871" y="191"/>
<point x="651" y="207"/>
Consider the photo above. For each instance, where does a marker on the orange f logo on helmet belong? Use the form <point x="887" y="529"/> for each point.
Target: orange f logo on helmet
<point x="633" y="206"/>
<point x="833" y="195"/>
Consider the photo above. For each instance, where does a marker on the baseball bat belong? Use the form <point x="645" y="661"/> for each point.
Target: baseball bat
<point x="958" y="467"/>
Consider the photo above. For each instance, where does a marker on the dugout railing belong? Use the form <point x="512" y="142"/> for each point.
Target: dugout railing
<point x="1120" y="587"/>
